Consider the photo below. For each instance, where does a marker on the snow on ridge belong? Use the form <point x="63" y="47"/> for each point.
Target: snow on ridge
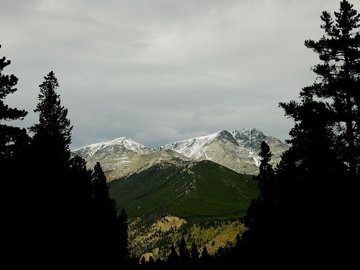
<point x="126" y="142"/>
<point x="191" y="148"/>
<point x="255" y="157"/>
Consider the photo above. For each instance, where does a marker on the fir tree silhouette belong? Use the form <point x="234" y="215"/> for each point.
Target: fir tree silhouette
<point x="9" y="134"/>
<point x="122" y="241"/>
<point x="292" y="216"/>
<point x="194" y="254"/>
<point x="50" y="148"/>
<point x="183" y="252"/>
<point x="173" y="258"/>
<point x="14" y="160"/>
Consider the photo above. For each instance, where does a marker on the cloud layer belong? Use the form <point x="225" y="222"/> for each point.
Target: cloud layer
<point x="159" y="71"/>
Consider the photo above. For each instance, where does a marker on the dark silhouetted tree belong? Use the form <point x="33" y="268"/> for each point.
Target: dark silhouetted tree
<point x="294" y="210"/>
<point x="104" y="220"/>
<point x="9" y="135"/>
<point x="173" y="258"/>
<point x="194" y="255"/>
<point x="324" y="149"/>
<point x="122" y="232"/>
<point x="262" y="211"/>
<point x="14" y="160"/>
<point x="338" y="79"/>
<point x="80" y="213"/>
<point x="183" y="251"/>
<point x="266" y="173"/>
<point x="205" y="257"/>
<point x="104" y="205"/>
<point x="52" y="135"/>
<point x="50" y="172"/>
<point x="310" y="181"/>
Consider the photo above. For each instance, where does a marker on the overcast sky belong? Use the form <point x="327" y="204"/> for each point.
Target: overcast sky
<point x="159" y="71"/>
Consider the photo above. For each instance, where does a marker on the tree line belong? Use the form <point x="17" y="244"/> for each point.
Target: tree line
<point x="307" y="211"/>
<point x="58" y="210"/>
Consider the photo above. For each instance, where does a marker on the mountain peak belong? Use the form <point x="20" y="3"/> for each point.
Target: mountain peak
<point x="249" y="137"/>
<point x="237" y="150"/>
<point x="122" y="143"/>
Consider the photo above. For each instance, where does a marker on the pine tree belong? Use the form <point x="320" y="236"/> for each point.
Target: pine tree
<point x="122" y="232"/>
<point x="105" y="231"/>
<point x="173" y="258"/>
<point x="104" y="205"/>
<point x="194" y="255"/>
<point x="183" y="251"/>
<point x="10" y="136"/>
<point x="81" y="183"/>
<point x="324" y="146"/>
<point x="339" y="79"/>
<point x="266" y="173"/>
<point x="52" y="135"/>
<point x="14" y="159"/>
<point x="260" y="217"/>
<point x="194" y="252"/>
<point x="51" y="190"/>
<point x="205" y="257"/>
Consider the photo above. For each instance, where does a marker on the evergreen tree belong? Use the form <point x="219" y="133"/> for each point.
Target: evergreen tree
<point x="194" y="252"/>
<point x="324" y="147"/>
<point x="104" y="205"/>
<point x="194" y="255"/>
<point x="261" y="214"/>
<point x="51" y="188"/>
<point x="183" y="251"/>
<point x="266" y="173"/>
<point x="80" y="213"/>
<point x="50" y="152"/>
<point x="52" y="135"/>
<point x="81" y="184"/>
<point x="173" y="258"/>
<point x="122" y="232"/>
<point x="338" y="82"/>
<point x="104" y="220"/>
<point x="292" y="215"/>
<point x="205" y="257"/>
<point x="10" y="136"/>
<point x="151" y="261"/>
<point x="14" y="158"/>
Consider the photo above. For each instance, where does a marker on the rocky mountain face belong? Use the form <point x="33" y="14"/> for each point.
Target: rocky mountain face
<point x="237" y="150"/>
<point x="123" y="156"/>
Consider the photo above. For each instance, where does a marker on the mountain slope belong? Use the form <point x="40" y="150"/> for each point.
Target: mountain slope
<point x="201" y="201"/>
<point x="201" y="190"/>
<point x="237" y="150"/>
<point x="123" y="156"/>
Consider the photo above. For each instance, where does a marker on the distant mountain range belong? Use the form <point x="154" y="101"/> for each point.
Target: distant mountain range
<point x="237" y="150"/>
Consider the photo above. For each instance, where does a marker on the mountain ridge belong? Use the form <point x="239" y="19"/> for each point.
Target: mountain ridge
<point x="237" y="150"/>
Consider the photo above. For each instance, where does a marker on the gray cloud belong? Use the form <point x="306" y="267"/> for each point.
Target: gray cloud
<point x="159" y="71"/>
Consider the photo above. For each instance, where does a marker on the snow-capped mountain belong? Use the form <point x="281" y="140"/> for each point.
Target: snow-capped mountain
<point x="118" y="145"/>
<point x="123" y="156"/>
<point x="237" y="150"/>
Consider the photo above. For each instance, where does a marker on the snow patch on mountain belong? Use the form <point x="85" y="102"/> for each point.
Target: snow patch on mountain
<point x="127" y="144"/>
<point x="237" y="150"/>
<point x="196" y="148"/>
<point x="191" y="148"/>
